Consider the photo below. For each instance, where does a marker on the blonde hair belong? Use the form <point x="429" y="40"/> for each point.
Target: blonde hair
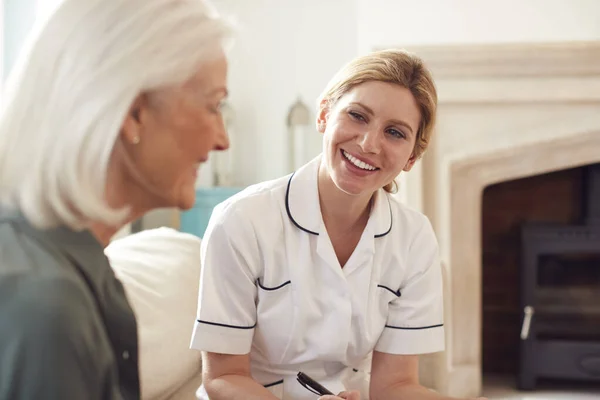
<point x="394" y="66"/>
<point x="71" y="89"/>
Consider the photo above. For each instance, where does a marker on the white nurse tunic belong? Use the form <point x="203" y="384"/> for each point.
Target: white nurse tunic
<point x="271" y="286"/>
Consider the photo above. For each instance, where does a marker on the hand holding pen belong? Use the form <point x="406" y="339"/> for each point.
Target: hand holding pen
<point x="325" y="394"/>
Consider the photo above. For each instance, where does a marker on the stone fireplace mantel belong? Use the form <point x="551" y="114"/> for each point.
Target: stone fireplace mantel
<point x="505" y="112"/>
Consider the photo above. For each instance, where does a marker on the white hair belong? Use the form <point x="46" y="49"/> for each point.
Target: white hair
<point x="71" y="89"/>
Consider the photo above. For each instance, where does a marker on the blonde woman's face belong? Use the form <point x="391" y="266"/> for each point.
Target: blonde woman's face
<point x="369" y="136"/>
<point x="178" y="128"/>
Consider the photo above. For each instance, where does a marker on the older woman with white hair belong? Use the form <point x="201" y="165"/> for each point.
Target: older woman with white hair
<point x="111" y="109"/>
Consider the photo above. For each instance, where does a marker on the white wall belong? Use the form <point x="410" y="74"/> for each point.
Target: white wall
<point x="384" y="23"/>
<point x="285" y="49"/>
<point x="18" y="18"/>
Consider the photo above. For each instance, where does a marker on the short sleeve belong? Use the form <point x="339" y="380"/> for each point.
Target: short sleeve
<point x="415" y="320"/>
<point x="50" y="342"/>
<point x="226" y="314"/>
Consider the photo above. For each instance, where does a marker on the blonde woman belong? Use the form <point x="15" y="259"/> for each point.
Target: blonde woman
<point x="111" y="109"/>
<point x="324" y="272"/>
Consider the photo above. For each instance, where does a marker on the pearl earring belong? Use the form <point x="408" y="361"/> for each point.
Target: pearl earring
<point x="136" y="140"/>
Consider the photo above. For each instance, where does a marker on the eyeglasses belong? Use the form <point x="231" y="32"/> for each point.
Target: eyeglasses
<point x="312" y="385"/>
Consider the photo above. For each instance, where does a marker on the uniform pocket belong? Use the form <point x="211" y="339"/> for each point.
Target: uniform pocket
<point x="275" y="320"/>
<point x="272" y="289"/>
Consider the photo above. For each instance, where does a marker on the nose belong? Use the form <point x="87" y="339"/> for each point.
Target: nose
<point x="370" y="141"/>
<point x="222" y="139"/>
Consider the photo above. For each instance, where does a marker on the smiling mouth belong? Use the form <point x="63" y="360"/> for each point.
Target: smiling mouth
<point x="358" y="163"/>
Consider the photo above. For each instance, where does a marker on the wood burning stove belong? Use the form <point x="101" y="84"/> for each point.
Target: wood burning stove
<point x="560" y="295"/>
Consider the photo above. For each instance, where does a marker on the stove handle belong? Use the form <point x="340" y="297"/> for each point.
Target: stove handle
<point x="528" y="311"/>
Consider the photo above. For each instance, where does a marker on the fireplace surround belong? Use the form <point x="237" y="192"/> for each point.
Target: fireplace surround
<point x="505" y="112"/>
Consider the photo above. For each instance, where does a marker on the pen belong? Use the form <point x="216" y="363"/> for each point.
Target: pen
<point x="310" y="383"/>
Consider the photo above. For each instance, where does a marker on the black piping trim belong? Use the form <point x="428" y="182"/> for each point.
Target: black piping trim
<point x="225" y="325"/>
<point x="391" y="221"/>
<point x="287" y="208"/>
<point x="415" y="328"/>
<point x="273" y="384"/>
<point x="275" y="288"/>
<point x="396" y="292"/>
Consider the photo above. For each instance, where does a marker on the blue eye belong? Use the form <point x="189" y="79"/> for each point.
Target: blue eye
<point x="396" y="133"/>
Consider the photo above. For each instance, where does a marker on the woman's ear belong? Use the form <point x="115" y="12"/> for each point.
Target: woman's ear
<point x="322" y="117"/>
<point x="131" y="129"/>
<point x="410" y="163"/>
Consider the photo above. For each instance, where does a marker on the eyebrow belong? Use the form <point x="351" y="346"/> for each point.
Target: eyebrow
<point x="393" y="121"/>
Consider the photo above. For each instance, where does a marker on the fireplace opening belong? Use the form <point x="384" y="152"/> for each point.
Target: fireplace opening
<point x="541" y="277"/>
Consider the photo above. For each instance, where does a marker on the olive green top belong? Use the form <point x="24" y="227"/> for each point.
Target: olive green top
<point x="67" y="331"/>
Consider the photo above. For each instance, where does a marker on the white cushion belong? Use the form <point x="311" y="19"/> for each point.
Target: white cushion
<point x="160" y="270"/>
